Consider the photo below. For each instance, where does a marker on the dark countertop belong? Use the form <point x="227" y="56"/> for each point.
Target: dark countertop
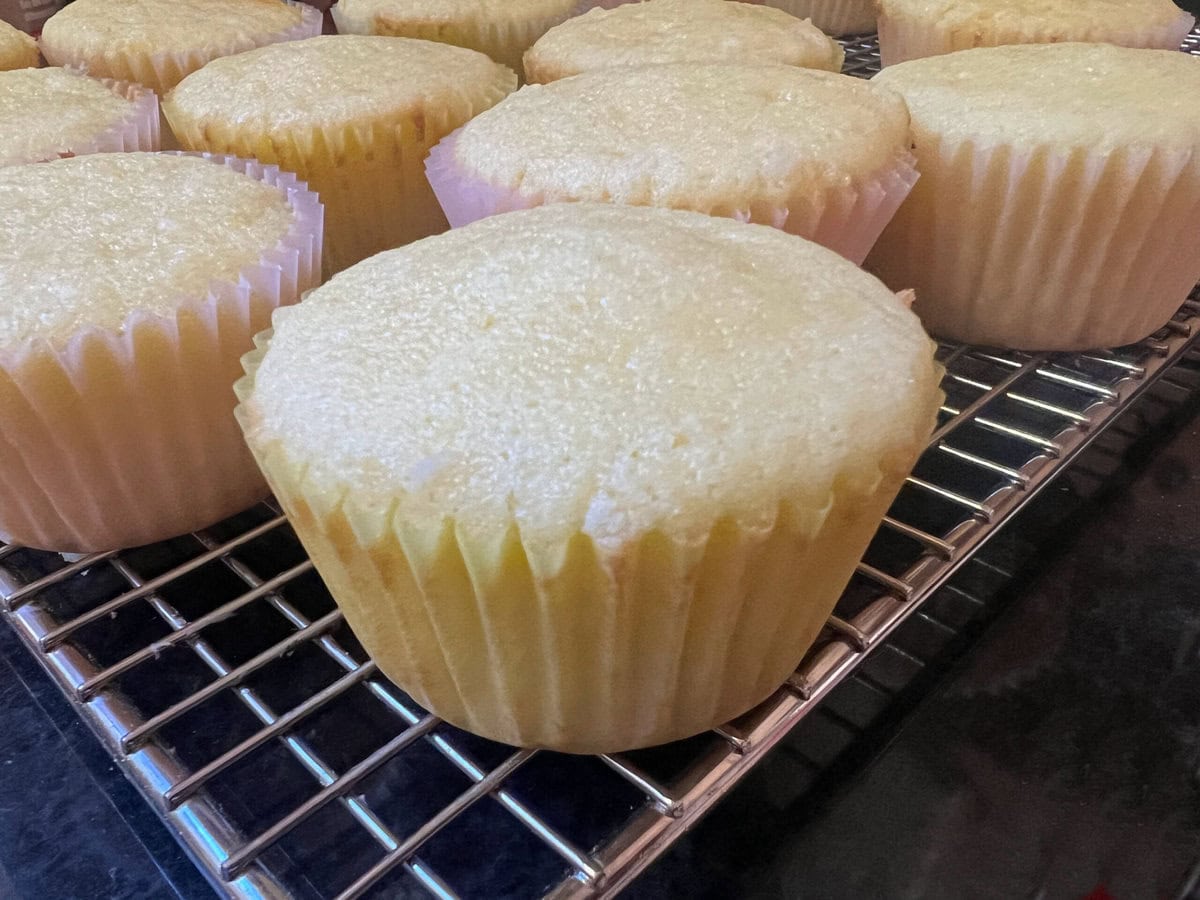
<point x="1057" y="757"/>
<point x="1052" y="753"/>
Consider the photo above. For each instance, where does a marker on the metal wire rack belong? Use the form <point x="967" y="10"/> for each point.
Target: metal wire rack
<point x="217" y="670"/>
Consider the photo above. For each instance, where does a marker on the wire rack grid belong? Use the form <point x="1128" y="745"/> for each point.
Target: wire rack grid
<point x="221" y="676"/>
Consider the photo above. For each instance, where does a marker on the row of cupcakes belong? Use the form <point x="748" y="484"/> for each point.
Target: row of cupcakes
<point x="620" y="437"/>
<point x="1028" y="233"/>
<point x="1010" y="242"/>
<point x="1001" y="253"/>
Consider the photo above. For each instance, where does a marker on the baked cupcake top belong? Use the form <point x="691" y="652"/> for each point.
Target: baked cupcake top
<point x="331" y="81"/>
<point x="666" y="31"/>
<point x="89" y="240"/>
<point x="158" y="42"/>
<point x="594" y="367"/>
<point x="688" y="135"/>
<point x="383" y="16"/>
<point x="17" y="49"/>
<point x="1097" y="96"/>
<point x="1057" y="20"/>
<point x="96" y="26"/>
<point x="47" y="113"/>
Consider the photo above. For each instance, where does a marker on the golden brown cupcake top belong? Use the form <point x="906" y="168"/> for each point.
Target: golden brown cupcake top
<point x="17" y="49"/>
<point x="158" y="42"/>
<point x="690" y="135"/>
<point x="597" y="368"/>
<point x="1096" y="96"/>
<point x="1063" y="20"/>
<point x="666" y="31"/>
<point x="333" y="81"/>
<point x="87" y="241"/>
<point x="46" y="113"/>
<point x="381" y="16"/>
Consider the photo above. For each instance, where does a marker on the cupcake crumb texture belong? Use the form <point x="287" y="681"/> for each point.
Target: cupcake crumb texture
<point x="89" y="240"/>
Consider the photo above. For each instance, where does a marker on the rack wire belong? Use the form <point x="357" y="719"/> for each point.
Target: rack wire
<point x="221" y="676"/>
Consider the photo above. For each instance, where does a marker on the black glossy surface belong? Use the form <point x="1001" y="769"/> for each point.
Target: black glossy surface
<point x="1058" y="755"/>
<point x="71" y="826"/>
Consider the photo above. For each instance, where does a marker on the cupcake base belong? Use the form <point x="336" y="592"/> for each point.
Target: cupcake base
<point x="372" y="184"/>
<point x="847" y="219"/>
<point x="588" y="5"/>
<point x="1044" y="249"/>
<point x="582" y="649"/>
<point x="124" y="437"/>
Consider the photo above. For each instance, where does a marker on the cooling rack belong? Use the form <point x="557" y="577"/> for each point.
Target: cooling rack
<point x="218" y="672"/>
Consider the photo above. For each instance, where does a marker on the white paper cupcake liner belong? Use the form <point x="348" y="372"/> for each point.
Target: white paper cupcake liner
<point x="847" y="219"/>
<point x="581" y="647"/>
<point x="140" y="130"/>
<point x="907" y="37"/>
<point x="836" y="17"/>
<point x="125" y="436"/>
<point x="1045" y="249"/>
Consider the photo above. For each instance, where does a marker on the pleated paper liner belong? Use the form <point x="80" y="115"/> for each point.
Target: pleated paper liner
<point x="126" y="436"/>
<point x="904" y="37"/>
<point x="370" y="176"/>
<point x="836" y="17"/>
<point x="845" y="218"/>
<point x="1046" y="249"/>
<point x="162" y="70"/>
<point x="137" y="130"/>
<point x="504" y="39"/>
<point x="580" y="646"/>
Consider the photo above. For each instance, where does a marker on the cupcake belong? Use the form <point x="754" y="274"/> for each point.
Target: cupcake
<point x="1059" y="200"/>
<point x="667" y="31"/>
<point x="51" y="113"/>
<point x="17" y="49"/>
<point x="839" y="17"/>
<point x="157" y="42"/>
<point x="133" y="282"/>
<point x="591" y="477"/>
<point x="503" y="29"/>
<point x="354" y="116"/>
<point x="910" y="29"/>
<point x="820" y="155"/>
